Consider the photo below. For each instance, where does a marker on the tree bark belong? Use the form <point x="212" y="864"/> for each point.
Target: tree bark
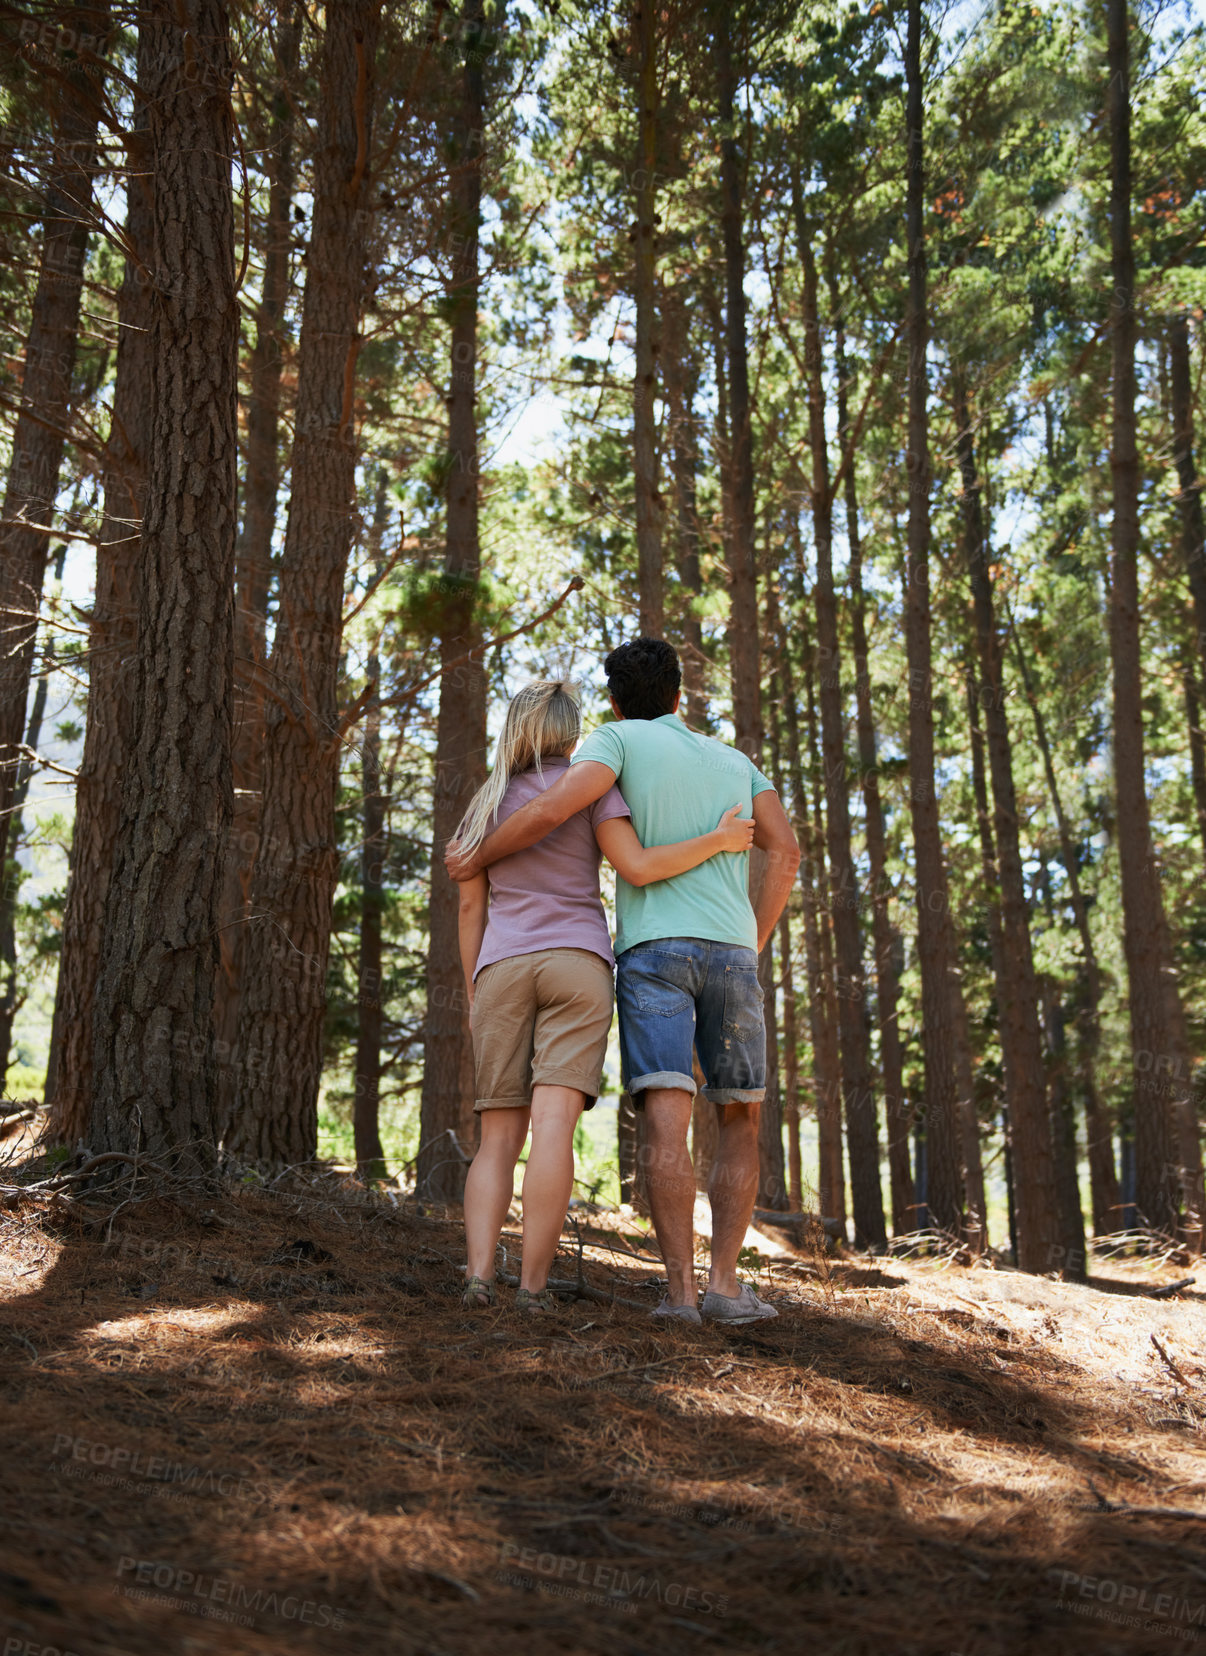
<point x="11" y="1000"/>
<point x="153" y="1075"/>
<point x="1103" y="1178"/>
<point x="366" y="1133"/>
<point x="45" y="402"/>
<point x="1167" y="1152"/>
<point x="281" y="1023"/>
<point x="944" y="1191"/>
<point x="1197" y="737"/>
<point x="1018" y="1001"/>
<point x="253" y="551"/>
<point x="112" y="646"/>
<point x="1189" y="496"/>
<point x="739" y="493"/>
<point x="649" y="505"/>
<point x="887" y="977"/>
<point x="682" y="383"/>
<point x="858" y="1081"/>
<point x="447" y="1097"/>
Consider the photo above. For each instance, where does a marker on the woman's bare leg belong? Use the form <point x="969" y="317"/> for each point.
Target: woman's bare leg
<point x="489" y="1186"/>
<point x="548" y="1179"/>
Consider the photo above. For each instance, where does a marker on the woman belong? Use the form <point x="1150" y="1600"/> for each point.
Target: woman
<point x="538" y="962"/>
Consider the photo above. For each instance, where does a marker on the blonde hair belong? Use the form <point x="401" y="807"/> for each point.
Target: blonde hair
<point x="543" y="721"/>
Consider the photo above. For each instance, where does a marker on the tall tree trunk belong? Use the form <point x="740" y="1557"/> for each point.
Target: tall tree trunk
<point x="822" y="1012"/>
<point x="370" y="1156"/>
<point x="887" y="977"/>
<point x="816" y="886"/>
<point x="858" y="1081"/>
<point x="253" y="552"/>
<point x="1071" y="1261"/>
<point x="1103" y="1178"/>
<point x="284" y="975"/>
<point x="1189" y="497"/>
<point x="31" y="493"/>
<point x="11" y="1000"/>
<point x="447" y="1123"/>
<point x="153" y="1080"/>
<point x="975" y="1225"/>
<point x="1197" y="736"/>
<point x="682" y="384"/>
<point x="112" y="644"/>
<point x="1167" y="1150"/>
<point x="944" y="1191"/>
<point x="772" y="1171"/>
<point x="791" y="1068"/>
<point x="739" y="494"/>
<point x="1038" y="1220"/>
<point x="649" y="504"/>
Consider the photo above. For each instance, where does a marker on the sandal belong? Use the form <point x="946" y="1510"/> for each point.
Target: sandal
<point x="479" y="1295"/>
<point x="535" y="1299"/>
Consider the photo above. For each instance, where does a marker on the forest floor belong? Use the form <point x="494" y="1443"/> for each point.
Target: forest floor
<point x="262" y="1421"/>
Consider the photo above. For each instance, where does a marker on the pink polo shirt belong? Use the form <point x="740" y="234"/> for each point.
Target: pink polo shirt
<point x="547" y="897"/>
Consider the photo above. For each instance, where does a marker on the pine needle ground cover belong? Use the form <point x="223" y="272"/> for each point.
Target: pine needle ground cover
<point x="263" y="1422"/>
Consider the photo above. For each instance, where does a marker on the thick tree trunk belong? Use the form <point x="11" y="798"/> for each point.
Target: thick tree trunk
<point x="370" y="1156"/>
<point x="447" y="1124"/>
<point x="284" y="975"/>
<point x="1071" y="1259"/>
<point x="1103" y="1178"/>
<point x="649" y="505"/>
<point x="944" y="1191"/>
<point x="1039" y="1230"/>
<point x="887" y="976"/>
<point x="112" y="643"/>
<point x="739" y="494"/>
<point x="858" y="1081"/>
<point x="253" y="552"/>
<point x="153" y="1080"/>
<point x="45" y="404"/>
<point x="1167" y="1152"/>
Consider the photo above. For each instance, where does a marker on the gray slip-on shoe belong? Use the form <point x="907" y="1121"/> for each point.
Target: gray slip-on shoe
<point x="744" y="1307"/>
<point x="684" y="1313"/>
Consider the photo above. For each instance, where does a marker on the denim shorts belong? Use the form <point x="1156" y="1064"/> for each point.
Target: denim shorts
<point x="676" y="993"/>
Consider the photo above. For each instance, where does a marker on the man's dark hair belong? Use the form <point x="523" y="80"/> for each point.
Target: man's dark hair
<point x="644" y="677"/>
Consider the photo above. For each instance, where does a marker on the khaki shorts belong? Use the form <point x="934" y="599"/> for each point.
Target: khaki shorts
<point x="540" y="1019"/>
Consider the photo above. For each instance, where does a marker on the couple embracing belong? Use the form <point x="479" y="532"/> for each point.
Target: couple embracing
<point x="674" y="813"/>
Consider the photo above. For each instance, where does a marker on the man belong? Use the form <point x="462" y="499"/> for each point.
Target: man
<point x="686" y="957"/>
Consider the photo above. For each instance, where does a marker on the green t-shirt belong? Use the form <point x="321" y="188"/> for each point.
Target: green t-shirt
<point x="678" y="784"/>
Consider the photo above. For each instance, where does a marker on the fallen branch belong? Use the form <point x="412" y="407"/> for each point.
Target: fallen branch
<point x="1171" y="1288"/>
<point x="1172" y="1367"/>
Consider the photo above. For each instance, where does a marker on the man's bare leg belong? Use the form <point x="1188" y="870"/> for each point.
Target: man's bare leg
<point x="732" y="1191"/>
<point x="670" y="1181"/>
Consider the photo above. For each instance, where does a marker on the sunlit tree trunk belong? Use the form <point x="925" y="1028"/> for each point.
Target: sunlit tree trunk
<point x="650" y="512"/>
